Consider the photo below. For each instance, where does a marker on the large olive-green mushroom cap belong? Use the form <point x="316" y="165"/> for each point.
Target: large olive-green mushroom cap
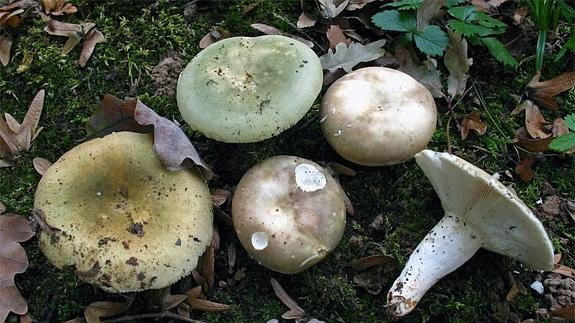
<point x="120" y="218"/>
<point x="246" y="89"/>
<point x="289" y="213"/>
<point x="378" y="116"/>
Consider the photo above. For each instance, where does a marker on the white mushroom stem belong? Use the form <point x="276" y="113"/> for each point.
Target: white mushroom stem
<point x="446" y="247"/>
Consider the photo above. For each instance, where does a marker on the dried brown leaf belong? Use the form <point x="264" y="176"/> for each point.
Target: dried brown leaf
<point x="2" y="208"/>
<point x="525" y="168"/>
<point x="372" y="261"/>
<point x="567" y="312"/>
<point x="559" y="128"/>
<point x="357" y="4"/>
<point x="340" y="169"/>
<point x="213" y="36"/>
<point x="535" y="123"/>
<point x="97" y="310"/>
<point x="269" y="30"/>
<point x="335" y="36"/>
<point x="193" y="293"/>
<point x="304" y="21"/>
<point x="519" y="15"/>
<point x="425" y="72"/>
<point x="58" y="7"/>
<point x="5" y="46"/>
<point x="207" y="306"/>
<point x="556" y="259"/>
<point x="472" y="121"/>
<point x="74" y="32"/>
<point x="13" y="260"/>
<point x="523" y="139"/>
<point x="183" y="309"/>
<point x="564" y="270"/>
<point x="370" y="280"/>
<point x="427" y="11"/>
<point x="521" y="107"/>
<point x="544" y="92"/>
<point x="249" y="8"/>
<point x="516" y="288"/>
<point x="220" y="196"/>
<point x="11" y="19"/>
<point x="206" y="264"/>
<point x="114" y="115"/>
<point x="293" y="315"/>
<point x="285" y="298"/>
<point x="457" y="64"/>
<point x="41" y="165"/>
<point x="332" y="8"/>
<point x="170" y="301"/>
<point x="170" y="142"/>
<point x="93" y="37"/>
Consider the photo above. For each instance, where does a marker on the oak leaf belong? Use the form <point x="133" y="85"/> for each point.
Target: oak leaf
<point x="13" y="260"/>
<point x="335" y="36"/>
<point x="346" y="57"/>
<point x="425" y="72"/>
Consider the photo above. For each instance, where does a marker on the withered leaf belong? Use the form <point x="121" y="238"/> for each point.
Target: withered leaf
<point x="332" y="8"/>
<point x="206" y="264"/>
<point x="346" y="57"/>
<point x="521" y="107"/>
<point x="559" y="128"/>
<point x="207" y="306"/>
<point x="13" y="260"/>
<point x="357" y="4"/>
<point x="304" y="21"/>
<point x="370" y="280"/>
<point x="457" y="64"/>
<point x="335" y="36"/>
<point x="472" y="121"/>
<point x="11" y="19"/>
<point x="97" y="310"/>
<point x="525" y="168"/>
<point x="2" y="208"/>
<point x="425" y="72"/>
<point x="58" y="7"/>
<point x="74" y="32"/>
<point x="269" y="30"/>
<point x="41" y="165"/>
<point x="293" y="315"/>
<point x="114" y="115"/>
<point x="170" y="301"/>
<point x="5" y="46"/>
<point x="564" y="270"/>
<point x="285" y="298"/>
<point x="567" y="312"/>
<point x="515" y="289"/>
<point x="170" y="142"/>
<point x="523" y="139"/>
<point x="220" y="196"/>
<point x="372" y="261"/>
<point x="213" y="36"/>
<point x="544" y="92"/>
<point x="194" y="293"/>
<point x="93" y="37"/>
<point x="427" y="11"/>
<point x="535" y="123"/>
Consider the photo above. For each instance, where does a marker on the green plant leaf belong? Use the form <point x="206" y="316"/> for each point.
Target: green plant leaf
<point x="498" y="50"/>
<point x="452" y="3"/>
<point x="467" y="29"/>
<point x="395" y="20"/>
<point x="485" y="20"/>
<point x="431" y="41"/>
<point x="466" y="13"/>
<point x="405" y="4"/>
<point x="563" y="143"/>
<point x="570" y="121"/>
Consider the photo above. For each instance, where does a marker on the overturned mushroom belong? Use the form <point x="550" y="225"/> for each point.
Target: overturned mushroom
<point x="124" y="222"/>
<point x="244" y="89"/>
<point x="377" y="116"/>
<point x="480" y="212"/>
<point x="289" y="213"/>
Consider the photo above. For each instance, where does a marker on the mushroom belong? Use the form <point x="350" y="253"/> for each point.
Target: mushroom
<point x="377" y="116"/>
<point x="480" y="212"/>
<point x="288" y="213"/>
<point x="120" y="218"/>
<point x="244" y="89"/>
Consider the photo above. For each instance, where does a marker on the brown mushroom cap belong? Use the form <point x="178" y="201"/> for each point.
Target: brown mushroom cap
<point x="120" y="218"/>
<point x="378" y="116"/>
<point x="289" y="213"/>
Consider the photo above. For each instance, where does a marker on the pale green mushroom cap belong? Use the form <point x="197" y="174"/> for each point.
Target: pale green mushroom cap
<point x="120" y="218"/>
<point x="245" y="89"/>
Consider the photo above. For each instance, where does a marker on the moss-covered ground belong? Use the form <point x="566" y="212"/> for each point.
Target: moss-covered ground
<point x="139" y="34"/>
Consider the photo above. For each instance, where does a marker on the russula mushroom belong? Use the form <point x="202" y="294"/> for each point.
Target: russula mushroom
<point x="244" y="89"/>
<point x="118" y="217"/>
<point x="480" y="212"/>
<point x="288" y="213"/>
<point x="377" y="116"/>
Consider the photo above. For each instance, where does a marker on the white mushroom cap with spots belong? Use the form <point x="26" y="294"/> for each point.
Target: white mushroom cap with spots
<point x="244" y="89"/>
<point x="120" y="218"/>
<point x="480" y="212"/>
<point x="378" y="116"/>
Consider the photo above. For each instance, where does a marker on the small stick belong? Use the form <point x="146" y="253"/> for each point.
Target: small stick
<point x="161" y="315"/>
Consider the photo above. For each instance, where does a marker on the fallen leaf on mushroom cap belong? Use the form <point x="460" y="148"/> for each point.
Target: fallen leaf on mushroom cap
<point x="544" y="92"/>
<point x="457" y="64"/>
<point x="41" y="165"/>
<point x="525" y="168"/>
<point x="295" y="309"/>
<point x="114" y="115"/>
<point x="346" y="57"/>
<point x="472" y="121"/>
<point x="5" y="46"/>
<point x="58" y="7"/>
<point x="269" y="30"/>
<point x="332" y="8"/>
<point x="425" y="72"/>
<point x="335" y="36"/>
<point x="13" y="260"/>
<point x="93" y="37"/>
<point x="171" y="144"/>
<point x="15" y="137"/>
<point x="97" y="310"/>
<point x="535" y="123"/>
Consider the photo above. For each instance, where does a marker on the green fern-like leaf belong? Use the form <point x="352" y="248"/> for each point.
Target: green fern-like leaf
<point x="563" y="143"/>
<point x="498" y="50"/>
<point x="570" y="121"/>
<point x="431" y="41"/>
<point x="395" y="21"/>
<point x="468" y="29"/>
<point x="405" y="4"/>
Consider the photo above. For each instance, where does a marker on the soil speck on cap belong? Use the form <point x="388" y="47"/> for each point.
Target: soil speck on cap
<point x="133" y="261"/>
<point x="137" y="229"/>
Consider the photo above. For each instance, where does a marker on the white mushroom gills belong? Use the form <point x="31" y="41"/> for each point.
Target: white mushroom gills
<point x="260" y="240"/>
<point x="479" y="212"/>
<point x="308" y="178"/>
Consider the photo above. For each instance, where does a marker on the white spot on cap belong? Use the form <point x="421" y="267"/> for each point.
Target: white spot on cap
<point x="259" y="240"/>
<point x="308" y="178"/>
<point x="538" y="287"/>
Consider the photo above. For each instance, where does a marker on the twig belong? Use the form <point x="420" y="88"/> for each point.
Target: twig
<point x="161" y="315"/>
<point x="447" y="134"/>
